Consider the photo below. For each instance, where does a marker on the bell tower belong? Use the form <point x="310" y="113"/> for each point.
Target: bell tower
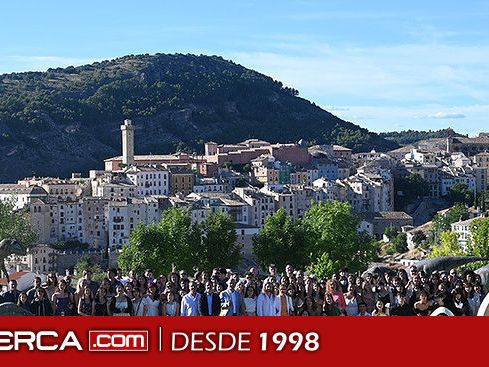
<point x="127" y="143"/>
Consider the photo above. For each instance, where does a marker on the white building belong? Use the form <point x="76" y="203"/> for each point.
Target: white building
<point x="122" y="217"/>
<point x="462" y="229"/>
<point x="21" y="195"/>
<point x="41" y="259"/>
<point x="209" y="185"/>
<point x="149" y="180"/>
<point x="262" y="205"/>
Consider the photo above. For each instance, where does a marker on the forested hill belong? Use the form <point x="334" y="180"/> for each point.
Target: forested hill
<point x="67" y="119"/>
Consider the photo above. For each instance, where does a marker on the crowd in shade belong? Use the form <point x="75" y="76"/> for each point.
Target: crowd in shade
<point x="223" y="293"/>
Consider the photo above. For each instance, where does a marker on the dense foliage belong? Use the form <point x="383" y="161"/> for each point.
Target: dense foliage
<point x="479" y="241"/>
<point x="15" y="224"/>
<point x="177" y="101"/>
<point x="280" y="242"/>
<point x="442" y="221"/>
<point x="74" y="245"/>
<point x="407" y="189"/>
<point x="324" y="241"/>
<point x="460" y="193"/>
<point x="85" y="263"/>
<point x="448" y="246"/>
<point x="332" y="240"/>
<point x="178" y="241"/>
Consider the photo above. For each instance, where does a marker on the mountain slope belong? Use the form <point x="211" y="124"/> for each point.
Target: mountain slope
<point x="64" y="120"/>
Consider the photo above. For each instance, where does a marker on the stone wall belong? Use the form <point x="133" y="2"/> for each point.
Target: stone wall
<point x="67" y="260"/>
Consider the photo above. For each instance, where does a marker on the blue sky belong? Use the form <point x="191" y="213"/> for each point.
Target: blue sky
<point x="385" y="65"/>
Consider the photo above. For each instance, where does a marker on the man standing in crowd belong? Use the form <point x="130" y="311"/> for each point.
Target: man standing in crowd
<point x="362" y="309"/>
<point x="232" y="300"/>
<point x="265" y="304"/>
<point x="209" y="302"/>
<point x="190" y="302"/>
<point x="92" y="284"/>
<point x="284" y="302"/>
<point x="12" y="295"/>
<point x="402" y="308"/>
<point x="272" y="271"/>
<point x="31" y="293"/>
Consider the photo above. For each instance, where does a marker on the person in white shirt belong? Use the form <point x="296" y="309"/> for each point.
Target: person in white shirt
<point x="265" y="304"/>
<point x="152" y="300"/>
<point x="250" y="301"/>
<point x="190" y="302"/>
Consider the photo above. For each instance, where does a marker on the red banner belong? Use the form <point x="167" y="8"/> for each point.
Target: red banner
<point x="241" y="340"/>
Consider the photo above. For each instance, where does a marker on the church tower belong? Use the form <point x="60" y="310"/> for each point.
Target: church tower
<point x="127" y="143"/>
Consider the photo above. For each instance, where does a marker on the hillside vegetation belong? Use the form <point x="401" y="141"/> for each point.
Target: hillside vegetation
<point x="67" y="119"/>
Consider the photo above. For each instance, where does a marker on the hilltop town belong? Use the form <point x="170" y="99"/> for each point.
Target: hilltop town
<point x="250" y="181"/>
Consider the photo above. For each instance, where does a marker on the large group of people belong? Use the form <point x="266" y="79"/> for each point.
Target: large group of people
<point x="407" y="292"/>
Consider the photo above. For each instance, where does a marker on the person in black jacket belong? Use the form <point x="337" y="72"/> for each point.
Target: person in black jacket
<point x="403" y="308"/>
<point x="209" y="302"/>
<point x="41" y="306"/>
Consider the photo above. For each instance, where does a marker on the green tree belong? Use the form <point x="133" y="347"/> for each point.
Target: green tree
<point x="146" y="249"/>
<point x="407" y="189"/>
<point x="442" y="222"/>
<point x="419" y="237"/>
<point x="15" y="224"/>
<point x="182" y="238"/>
<point x="391" y="232"/>
<point x="281" y="242"/>
<point x="460" y="193"/>
<point x="448" y="245"/>
<point x="157" y="246"/>
<point x="178" y="240"/>
<point x="86" y="263"/>
<point x="219" y="246"/>
<point x="331" y="228"/>
<point x="399" y="243"/>
<point x="323" y="267"/>
<point x="479" y="238"/>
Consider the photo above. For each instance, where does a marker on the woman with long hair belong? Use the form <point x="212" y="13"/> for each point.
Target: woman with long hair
<point x="99" y="304"/>
<point x="41" y="305"/>
<point x="120" y="305"/>
<point x="85" y="302"/>
<point x="310" y="306"/>
<point x="80" y="286"/>
<point x="333" y="288"/>
<point x="152" y="300"/>
<point x="51" y="285"/>
<point x="380" y="309"/>
<point x="23" y="302"/>
<point x="250" y="301"/>
<point x="351" y="301"/>
<point x="139" y="304"/>
<point x="63" y="300"/>
<point x="330" y="308"/>
<point x="171" y="307"/>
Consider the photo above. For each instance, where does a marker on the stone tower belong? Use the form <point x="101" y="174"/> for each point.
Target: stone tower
<point x="449" y="144"/>
<point x="127" y="143"/>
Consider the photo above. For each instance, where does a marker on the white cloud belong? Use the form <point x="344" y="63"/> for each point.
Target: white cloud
<point x="390" y="118"/>
<point x="447" y="115"/>
<point x="410" y="73"/>
<point x="42" y="63"/>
